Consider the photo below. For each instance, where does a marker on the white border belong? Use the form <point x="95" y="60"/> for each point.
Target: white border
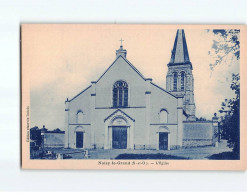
<point x="14" y="12"/>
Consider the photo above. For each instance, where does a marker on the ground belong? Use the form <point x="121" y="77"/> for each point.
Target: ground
<point x="183" y="153"/>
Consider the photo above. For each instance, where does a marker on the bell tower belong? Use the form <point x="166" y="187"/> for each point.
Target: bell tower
<point x="179" y="78"/>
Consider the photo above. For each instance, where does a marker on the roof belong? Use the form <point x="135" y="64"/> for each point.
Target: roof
<point x="80" y="93"/>
<point x="180" y="54"/>
<point x="162" y="89"/>
<point x="133" y="67"/>
<point x="128" y="62"/>
<point x="118" y="110"/>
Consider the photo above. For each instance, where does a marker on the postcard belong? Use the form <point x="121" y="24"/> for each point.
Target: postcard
<point x="133" y="96"/>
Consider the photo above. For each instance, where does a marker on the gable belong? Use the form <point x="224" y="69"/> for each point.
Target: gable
<point x="80" y="93"/>
<point x="118" y="112"/>
<point x="122" y="70"/>
<point x="124" y="62"/>
<point x="161" y="89"/>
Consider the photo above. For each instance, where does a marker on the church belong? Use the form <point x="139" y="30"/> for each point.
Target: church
<point x="125" y="110"/>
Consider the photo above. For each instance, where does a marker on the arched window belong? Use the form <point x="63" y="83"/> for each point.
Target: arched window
<point x="120" y="94"/>
<point x="175" y="79"/>
<point x="163" y="116"/>
<point x="182" y="81"/>
<point x="80" y="117"/>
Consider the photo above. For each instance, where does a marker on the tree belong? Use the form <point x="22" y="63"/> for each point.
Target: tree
<point x="57" y="130"/>
<point x="201" y="119"/>
<point x="231" y="119"/>
<point x="227" y="44"/>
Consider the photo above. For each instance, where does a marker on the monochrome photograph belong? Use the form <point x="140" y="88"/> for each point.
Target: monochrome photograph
<point x="131" y="92"/>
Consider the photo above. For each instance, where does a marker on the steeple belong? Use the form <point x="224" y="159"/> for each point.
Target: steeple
<point x="180" y="53"/>
<point x="121" y="51"/>
<point x="179" y="78"/>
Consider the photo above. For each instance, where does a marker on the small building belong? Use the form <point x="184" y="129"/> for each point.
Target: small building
<point x="43" y="138"/>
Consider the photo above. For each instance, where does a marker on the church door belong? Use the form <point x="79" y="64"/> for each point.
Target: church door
<point x="79" y="139"/>
<point x="119" y="137"/>
<point x="163" y="141"/>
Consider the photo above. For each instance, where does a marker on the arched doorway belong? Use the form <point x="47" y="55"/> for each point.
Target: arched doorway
<point x="79" y="137"/>
<point x="119" y="133"/>
<point x="163" y="136"/>
<point x="163" y="141"/>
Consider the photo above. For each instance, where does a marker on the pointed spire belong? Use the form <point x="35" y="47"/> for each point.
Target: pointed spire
<point x="180" y="53"/>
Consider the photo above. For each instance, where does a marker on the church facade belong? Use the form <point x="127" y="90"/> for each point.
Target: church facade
<point x="125" y="110"/>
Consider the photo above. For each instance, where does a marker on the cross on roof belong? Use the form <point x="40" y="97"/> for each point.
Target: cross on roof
<point x="121" y="41"/>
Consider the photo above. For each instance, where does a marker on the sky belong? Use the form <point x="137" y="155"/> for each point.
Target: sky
<point x="64" y="59"/>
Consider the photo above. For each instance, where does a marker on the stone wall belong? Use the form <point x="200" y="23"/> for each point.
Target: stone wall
<point x="198" y="134"/>
<point x="52" y="140"/>
<point x="188" y="143"/>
